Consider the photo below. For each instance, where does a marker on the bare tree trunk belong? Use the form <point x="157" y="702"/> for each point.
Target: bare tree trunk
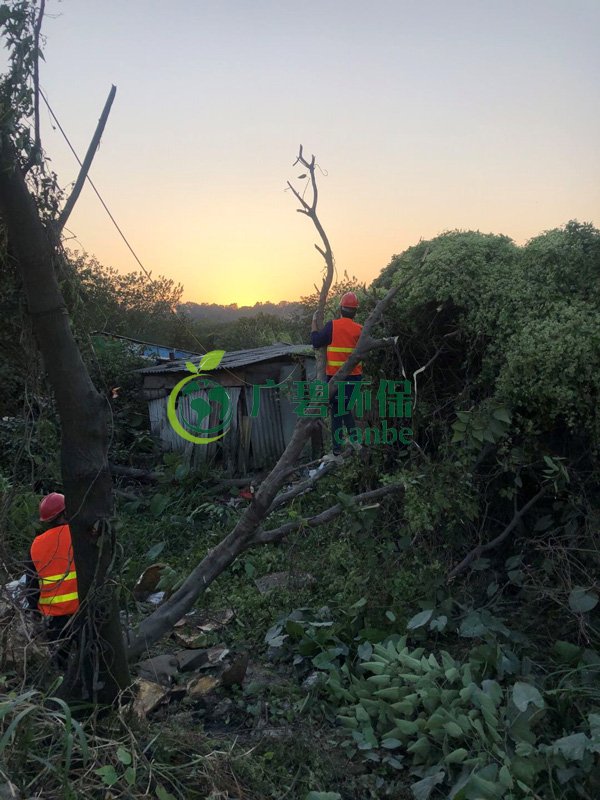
<point x="84" y="436"/>
<point x="310" y="209"/>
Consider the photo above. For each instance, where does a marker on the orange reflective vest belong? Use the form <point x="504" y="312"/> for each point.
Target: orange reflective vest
<point x="52" y="556"/>
<point x="344" y="337"/>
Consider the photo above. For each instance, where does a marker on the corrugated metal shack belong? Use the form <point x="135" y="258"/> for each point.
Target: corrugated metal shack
<point x="252" y="442"/>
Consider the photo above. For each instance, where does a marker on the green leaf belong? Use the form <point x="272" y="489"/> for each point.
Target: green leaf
<point x="572" y="747"/>
<point x="155" y="551"/>
<point x="422" y="789"/>
<point x="324" y="660"/>
<point x="365" y="651"/>
<point x="472" y="626"/>
<point x="524" y="693"/>
<point x="567" y="652"/>
<point x="294" y="628"/>
<point x="391" y="616"/>
<point x="191" y="367"/>
<point x="581" y="600"/>
<point x="456" y="756"/>
<point x="502" y="414"/>
<point x="124" y="756"/>
<point x="162" y="794"/>
<point x="478" y="788"/>
<point x="108" y="774"/>
<point x="323" y="796"/>
<point x="505" y="777"/>
<point x="130" y="776"/>
<point x="420" y="619"/>
<point x="211" y="360"/>
<point x="421" y="746"/>
<point x="453" y="729"/>
<point x="391" y="743"/>
<point x="439" y="623"/>
<point x="594" y="720"/>
<point x="158" y="504"/>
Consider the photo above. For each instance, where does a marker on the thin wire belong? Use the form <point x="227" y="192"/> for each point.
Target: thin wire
<point x="120" y="231"/>
<point x="113" y="220"/>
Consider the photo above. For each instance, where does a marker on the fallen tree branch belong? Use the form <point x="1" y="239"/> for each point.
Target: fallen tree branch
<point x="302" y="487"/>
<point x="143" y="475"/>
<point x="478" y="551"/>
<point x="87" y="162"/>
<point x="277" y="534"/>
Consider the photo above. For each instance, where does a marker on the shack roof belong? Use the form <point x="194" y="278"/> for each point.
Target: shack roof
<point x="238" y="358"/>
<point x="150" y="349"/>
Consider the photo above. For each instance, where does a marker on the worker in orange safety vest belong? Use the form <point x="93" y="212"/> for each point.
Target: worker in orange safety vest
<point x="340" y="337"/>
<point x="51" y="575"/>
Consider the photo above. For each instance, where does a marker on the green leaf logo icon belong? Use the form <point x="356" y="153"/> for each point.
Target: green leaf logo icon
<point x="211" y="360"/>
<point x="191" y="368"/>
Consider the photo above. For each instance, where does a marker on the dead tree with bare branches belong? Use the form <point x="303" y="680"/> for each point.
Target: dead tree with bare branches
<point x="310" y="210"/>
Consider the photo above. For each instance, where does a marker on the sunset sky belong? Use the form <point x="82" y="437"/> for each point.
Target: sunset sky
<point x="424" y="116"/>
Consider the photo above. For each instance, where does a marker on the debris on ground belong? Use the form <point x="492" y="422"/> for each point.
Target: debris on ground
<point x="148" y="581"/>
<point x="15" y="591"/>
<point x="160" y="678"/>
<point x="188" y="640"/>
<point x="283" y="580"/>
<point x="215" y="655"/>
<point x="148" y="697"/>
<point x="159" y="669"/>
<point x="192" y="628"/>
<point x="202" y="685"/>
<point x="234" y="675"/>
<point x="208" y="621"/>
<point x="22" y="639"/>
<point x="189" y="660"/>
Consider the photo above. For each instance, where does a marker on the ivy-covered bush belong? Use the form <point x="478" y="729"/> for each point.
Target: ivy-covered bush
<point x="524" y="322"/>
<point x="470" y="729"/>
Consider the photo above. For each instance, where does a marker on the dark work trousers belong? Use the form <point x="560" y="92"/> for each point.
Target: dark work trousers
<point x="340" y="421"/>
<point x="60" y="637"/>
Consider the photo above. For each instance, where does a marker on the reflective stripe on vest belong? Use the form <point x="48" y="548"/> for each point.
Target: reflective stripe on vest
<point x="52" y="555"/>
<point x="345" y="335"/>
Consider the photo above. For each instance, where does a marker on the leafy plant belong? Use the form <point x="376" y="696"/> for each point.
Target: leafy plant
<point x="453" y="724"/>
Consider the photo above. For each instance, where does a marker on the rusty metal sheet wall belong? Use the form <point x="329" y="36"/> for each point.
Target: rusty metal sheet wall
<point x="266" y="433"/>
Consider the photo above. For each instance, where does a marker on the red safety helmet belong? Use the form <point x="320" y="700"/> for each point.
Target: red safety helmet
<point x="349" y="300"/>
<point x="51" y="506"/>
